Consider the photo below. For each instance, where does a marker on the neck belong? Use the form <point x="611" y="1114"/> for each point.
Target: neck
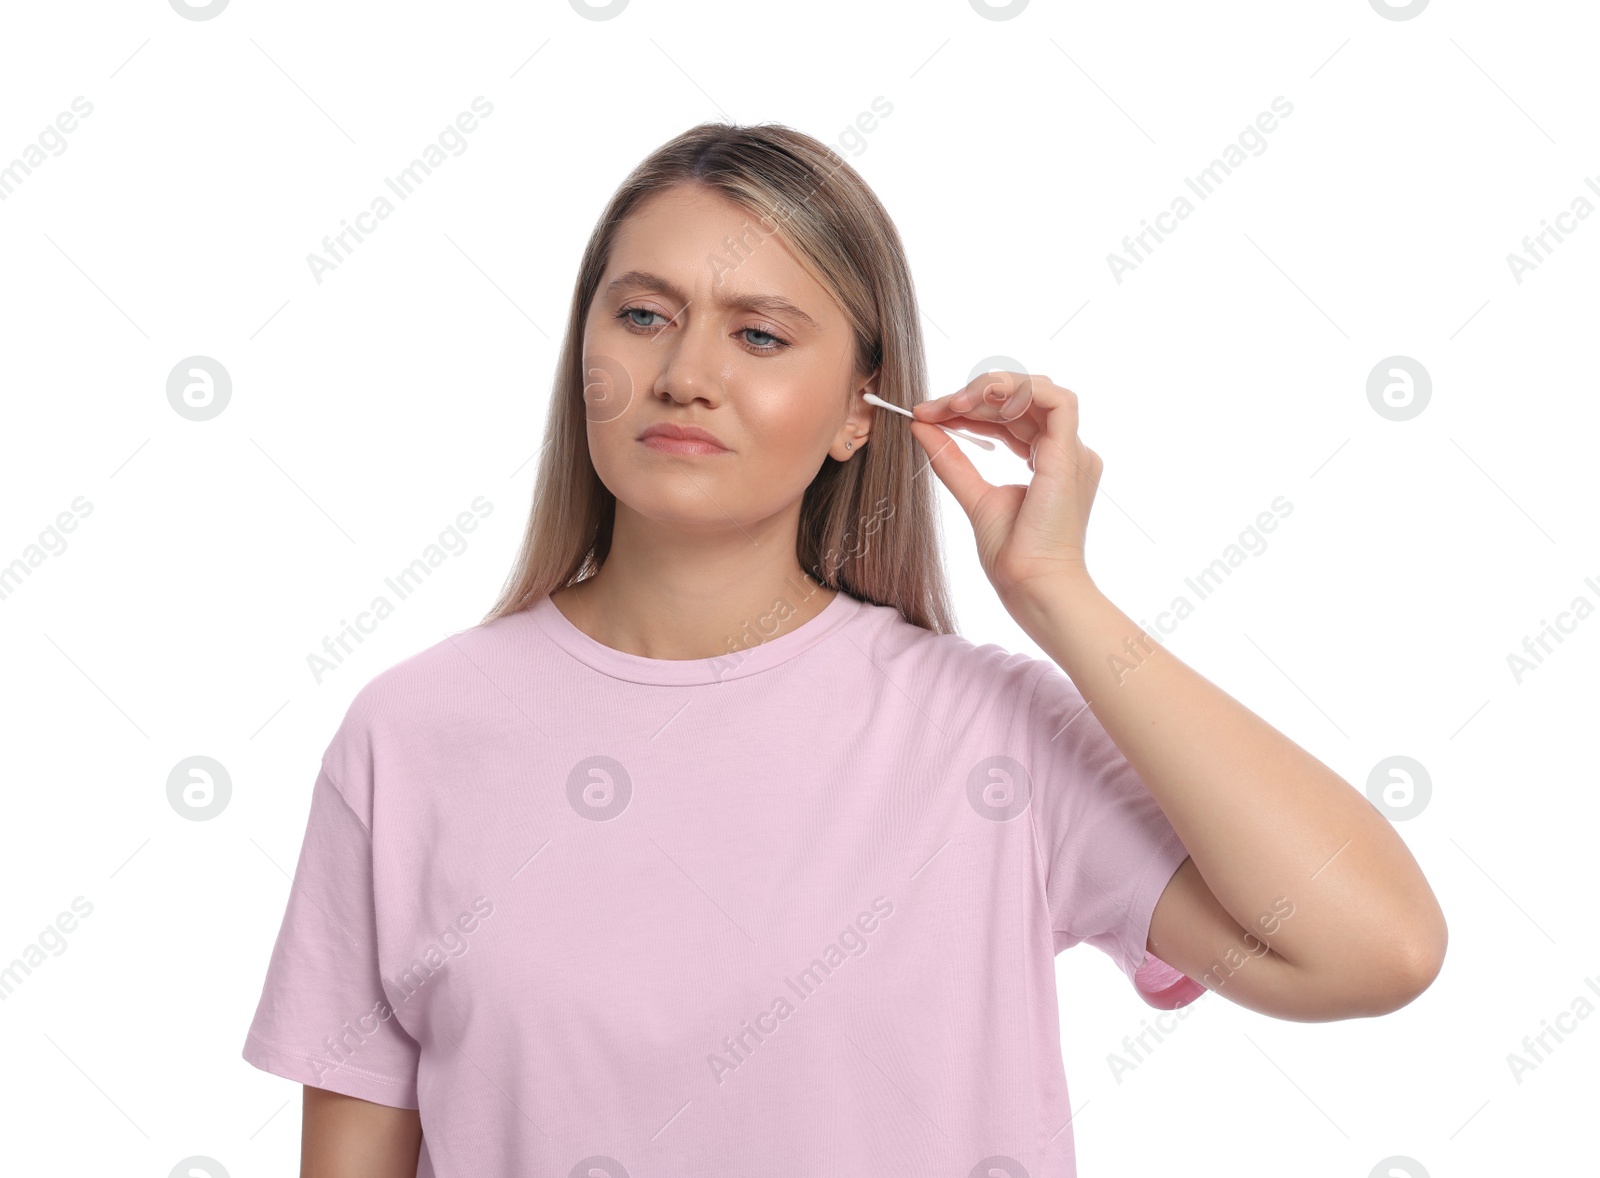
<point x="661" y="599"/>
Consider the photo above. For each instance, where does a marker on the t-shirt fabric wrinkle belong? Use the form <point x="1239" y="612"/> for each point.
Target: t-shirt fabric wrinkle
<point x="792" y="910"/>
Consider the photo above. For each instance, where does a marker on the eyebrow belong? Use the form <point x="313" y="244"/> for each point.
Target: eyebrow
<point x="771" y="304"/>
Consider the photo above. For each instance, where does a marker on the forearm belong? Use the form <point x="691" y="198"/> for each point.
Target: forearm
<point x="1262" y="818"/>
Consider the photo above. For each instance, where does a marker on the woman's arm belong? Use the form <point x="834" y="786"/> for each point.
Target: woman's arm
<point x="1269" y="829"/>
<point x="345" y="1137"/>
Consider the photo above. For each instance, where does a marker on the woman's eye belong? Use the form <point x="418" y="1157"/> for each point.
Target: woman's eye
<point x="628" y="312"/>
<point x="772" y="347"/>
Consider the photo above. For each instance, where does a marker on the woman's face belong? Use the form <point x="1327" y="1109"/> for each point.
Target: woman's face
<point x="672" y="338"/>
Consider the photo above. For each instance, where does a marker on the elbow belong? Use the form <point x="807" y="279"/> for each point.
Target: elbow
<point x="1370" y="979"/>
<point x="1412" y="967"/>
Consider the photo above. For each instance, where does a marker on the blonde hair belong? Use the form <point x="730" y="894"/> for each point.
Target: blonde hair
<point x="824" y="212"/>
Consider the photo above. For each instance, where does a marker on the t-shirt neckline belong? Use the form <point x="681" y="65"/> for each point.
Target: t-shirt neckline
<point x="682" y="672"/>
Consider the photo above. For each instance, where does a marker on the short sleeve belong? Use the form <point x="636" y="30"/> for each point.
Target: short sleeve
<point x="1108" y="846"/>
<point x="323" y="1019"/>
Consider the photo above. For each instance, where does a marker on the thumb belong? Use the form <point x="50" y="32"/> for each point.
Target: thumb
<point x="955" y="469"/>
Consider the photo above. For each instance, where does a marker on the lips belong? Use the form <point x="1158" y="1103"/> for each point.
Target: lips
<point x="667" y="431"/>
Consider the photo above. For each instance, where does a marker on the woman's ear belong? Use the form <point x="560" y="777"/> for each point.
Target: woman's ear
<point x="862" y="414"/>
<point x="857" y="427"/>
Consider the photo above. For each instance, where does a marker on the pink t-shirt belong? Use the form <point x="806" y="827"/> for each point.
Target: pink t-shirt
<point x="787" y="911"/>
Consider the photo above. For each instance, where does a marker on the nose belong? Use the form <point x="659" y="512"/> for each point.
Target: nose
<point x="691" y="369"/>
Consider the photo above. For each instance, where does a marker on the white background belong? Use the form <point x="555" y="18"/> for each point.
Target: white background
<point x="371" y="408"/>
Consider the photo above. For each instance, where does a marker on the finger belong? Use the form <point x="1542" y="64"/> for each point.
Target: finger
<point x="1003" y="431"/>
<point x="1000" y="396"/>
<point x="1010" y="391"/>
<point x="1024" y="428"/>
<point x="942" y="404"/>
<point x="1017" y="393"/>
<point x="1048" y="414"/>
<point x="955" y="469"/>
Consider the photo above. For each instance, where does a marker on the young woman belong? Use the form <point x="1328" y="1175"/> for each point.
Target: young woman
<point x="714" y="849"/>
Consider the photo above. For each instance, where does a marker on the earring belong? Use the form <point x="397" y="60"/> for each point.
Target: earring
<point x="847" y="445"/>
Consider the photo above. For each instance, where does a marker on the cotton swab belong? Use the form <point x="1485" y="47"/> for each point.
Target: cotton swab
<point x="874" y="399"/>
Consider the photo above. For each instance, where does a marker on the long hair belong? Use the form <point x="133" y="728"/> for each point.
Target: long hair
<point x="868" y="527"/>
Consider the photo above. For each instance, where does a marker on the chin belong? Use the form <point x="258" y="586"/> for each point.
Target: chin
<point x="673" y="497"/>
